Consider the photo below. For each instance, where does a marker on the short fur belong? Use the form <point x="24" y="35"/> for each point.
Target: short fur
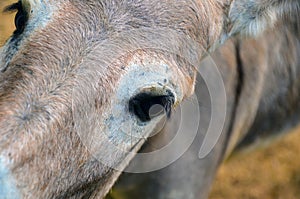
<point x="70" y="44"/>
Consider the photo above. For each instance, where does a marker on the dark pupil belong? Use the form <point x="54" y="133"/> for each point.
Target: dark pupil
<point x="146" y="106"/>
<point x="20" y="20"/>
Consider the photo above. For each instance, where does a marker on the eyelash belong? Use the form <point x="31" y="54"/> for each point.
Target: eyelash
<point x="21" y="17"/>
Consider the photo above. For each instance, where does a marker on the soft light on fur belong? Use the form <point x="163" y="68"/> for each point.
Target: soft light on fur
<point x="68" y="69"/>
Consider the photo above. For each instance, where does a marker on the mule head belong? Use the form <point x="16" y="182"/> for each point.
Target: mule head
<point x="79" y="78"/>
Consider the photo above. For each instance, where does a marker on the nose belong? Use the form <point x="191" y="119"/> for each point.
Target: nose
<point x="145" y="106"/>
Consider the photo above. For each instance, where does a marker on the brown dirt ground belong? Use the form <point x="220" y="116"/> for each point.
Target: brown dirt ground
<point x="271" y="172"/>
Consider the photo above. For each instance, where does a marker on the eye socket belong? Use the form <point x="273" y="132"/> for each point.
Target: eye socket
<point x="21" y="17"/>
<point x="146" y="106"/>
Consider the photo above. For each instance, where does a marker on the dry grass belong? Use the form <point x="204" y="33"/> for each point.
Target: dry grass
<point x="269" y="173"/>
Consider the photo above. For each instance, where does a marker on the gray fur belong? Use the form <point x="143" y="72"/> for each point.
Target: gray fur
<point x="90" y="46"/>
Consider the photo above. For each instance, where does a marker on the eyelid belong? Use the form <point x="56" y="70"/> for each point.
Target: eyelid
<point x="22" y="15"/>
<point x="18" y="6"/>
<point x="13" y="7"/>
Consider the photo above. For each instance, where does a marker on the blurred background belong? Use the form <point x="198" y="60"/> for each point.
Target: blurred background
<point x="6" y="21"/>
<point x="268" y="172"/>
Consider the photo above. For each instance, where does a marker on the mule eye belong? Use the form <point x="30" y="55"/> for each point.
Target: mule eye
<point x="21" y="17"/>
<point x="146" y="106"/>
<point x="20" y="21"/>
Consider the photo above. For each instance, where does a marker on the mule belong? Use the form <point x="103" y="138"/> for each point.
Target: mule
<point x="78" y="79"/>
